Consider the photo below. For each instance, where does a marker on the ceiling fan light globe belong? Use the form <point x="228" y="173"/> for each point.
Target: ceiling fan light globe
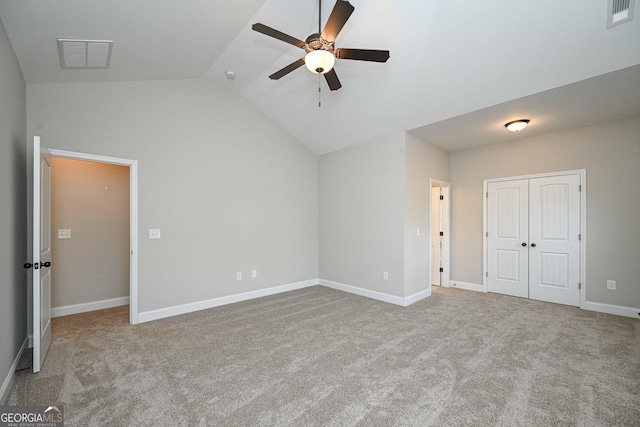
<point x="319" y="61"/>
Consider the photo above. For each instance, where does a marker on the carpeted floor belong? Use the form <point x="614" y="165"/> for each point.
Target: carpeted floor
<point x="322" y="357"/>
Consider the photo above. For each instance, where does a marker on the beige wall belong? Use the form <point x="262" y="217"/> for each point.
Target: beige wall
<point x="361" y="215"/>
<point x="13" y="218"/>
<point x="423" y="162"/>
<point x="373" y="197"/>
<point x="610" y="153"/>
<point x="91" y="199"/>
<point x="230" y="190"/>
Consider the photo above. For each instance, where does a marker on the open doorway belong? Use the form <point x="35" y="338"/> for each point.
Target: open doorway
<point x="89" y="236"/>
<point x="132" y="166"/>
<point x="39" y="308"/>
<point x="440" y="234"/>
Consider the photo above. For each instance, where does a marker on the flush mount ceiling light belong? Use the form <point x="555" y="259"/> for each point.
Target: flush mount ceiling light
<point x="84" y="53"/>
<point x="517" y="125"/>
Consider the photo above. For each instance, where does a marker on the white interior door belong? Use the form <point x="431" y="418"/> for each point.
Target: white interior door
<point x="508" y="236"/>
<point x="554" y="229"/>
<point x="41" y="253"/>
<point x="436" y="241"/>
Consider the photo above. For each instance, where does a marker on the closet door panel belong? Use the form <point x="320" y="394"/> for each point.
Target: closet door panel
<point x="554" y="228"/>
<point x="508" y="230"/>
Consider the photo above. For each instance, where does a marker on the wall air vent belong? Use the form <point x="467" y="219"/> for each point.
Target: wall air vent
<point x="619" y="11"/>
<point x="84" y="53"/>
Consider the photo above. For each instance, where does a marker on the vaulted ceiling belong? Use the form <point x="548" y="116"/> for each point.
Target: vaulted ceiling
<point x="457" y="72"/>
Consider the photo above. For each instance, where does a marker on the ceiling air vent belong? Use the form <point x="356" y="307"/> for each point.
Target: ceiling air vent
<point x="620" y="11"/>
<point x="84" y="53"/>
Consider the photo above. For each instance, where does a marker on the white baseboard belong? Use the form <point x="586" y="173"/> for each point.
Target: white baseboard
<point x="417" y="297"/>
<point x="612" y="309"/>
<point x="89" y="306"/>
<point x="148" y="316"/>
<point x="465" y="285"/>
<point x="11" y="376"/>
<point x="380" y="296"/>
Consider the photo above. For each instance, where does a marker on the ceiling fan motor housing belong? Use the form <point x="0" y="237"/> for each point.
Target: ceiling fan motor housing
<point x="315" y="42"/>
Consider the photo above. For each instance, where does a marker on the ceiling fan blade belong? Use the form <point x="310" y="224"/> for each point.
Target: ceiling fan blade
<point x="339" y="15"/>
<point x="332" y="79"/>
<point x="286" y="70"/>
<point x="261" y="28"/>
<point x="363" y="54"/>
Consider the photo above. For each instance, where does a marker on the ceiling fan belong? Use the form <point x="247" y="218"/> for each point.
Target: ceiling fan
<point x="321" y="52"/>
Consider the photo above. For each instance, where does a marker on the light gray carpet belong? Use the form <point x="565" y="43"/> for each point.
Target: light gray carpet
<point x="322" y="357"/>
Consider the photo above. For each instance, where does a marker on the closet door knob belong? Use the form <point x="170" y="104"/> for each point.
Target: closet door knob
<point x="524" y="244"/>
<point x="533" y="245"/>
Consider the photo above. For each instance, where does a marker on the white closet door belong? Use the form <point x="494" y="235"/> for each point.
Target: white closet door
<point x="554" y="255"/>
<point x="508" y="237"/>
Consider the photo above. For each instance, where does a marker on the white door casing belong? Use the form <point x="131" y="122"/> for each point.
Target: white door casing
<point x="133" y="216"/>
<point x="554" y="229"/>
<point x="507" y="229"/>
<point x="41" y="279"/>
<point x="436" y="241"/>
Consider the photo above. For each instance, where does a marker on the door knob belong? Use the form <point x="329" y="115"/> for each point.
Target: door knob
<point x="524" y="244"/>
<point x="533" y="245"/>
<point x="37" y="265"/>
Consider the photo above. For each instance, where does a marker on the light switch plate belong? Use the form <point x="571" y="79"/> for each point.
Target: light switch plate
<point x="64" y="233"/>
<point x="254" y="274"/>
<point x="611" y="285"/>
<point x="154" y="233"/>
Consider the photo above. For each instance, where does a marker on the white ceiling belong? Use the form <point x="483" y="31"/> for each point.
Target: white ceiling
<point x="601" y="99"/>
<point x="448" y="60"/>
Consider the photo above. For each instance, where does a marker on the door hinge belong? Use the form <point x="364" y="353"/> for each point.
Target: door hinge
<point x="486" y="234"/>
<point x="441" y="197"/>
<point x="487" y="194"/>
<point x="442" y="234"/>
<point x="579" y="285"/>
<point x="441" y="270"/>
<point x="486" y="274"/>
<point x="579" y="236"/>
<point x="579" y="187"/>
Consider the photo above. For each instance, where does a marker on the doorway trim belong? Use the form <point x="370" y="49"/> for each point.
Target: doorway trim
<point x="583" y="225"/>
<point x="133" y="216"/>
<point x="446" y="240"/>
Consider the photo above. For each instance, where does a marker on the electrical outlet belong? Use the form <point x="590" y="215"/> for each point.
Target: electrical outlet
<point x="254" y="274"/>
<point x="238" y="276"/>
<point x="385" y="275"/>
<point x="611" y="285"/>
<point x="154" y="233"/>
<point x="418" y="232"/>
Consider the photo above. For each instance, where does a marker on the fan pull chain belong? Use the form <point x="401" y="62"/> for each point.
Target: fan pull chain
<point x="319" y="93"/>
